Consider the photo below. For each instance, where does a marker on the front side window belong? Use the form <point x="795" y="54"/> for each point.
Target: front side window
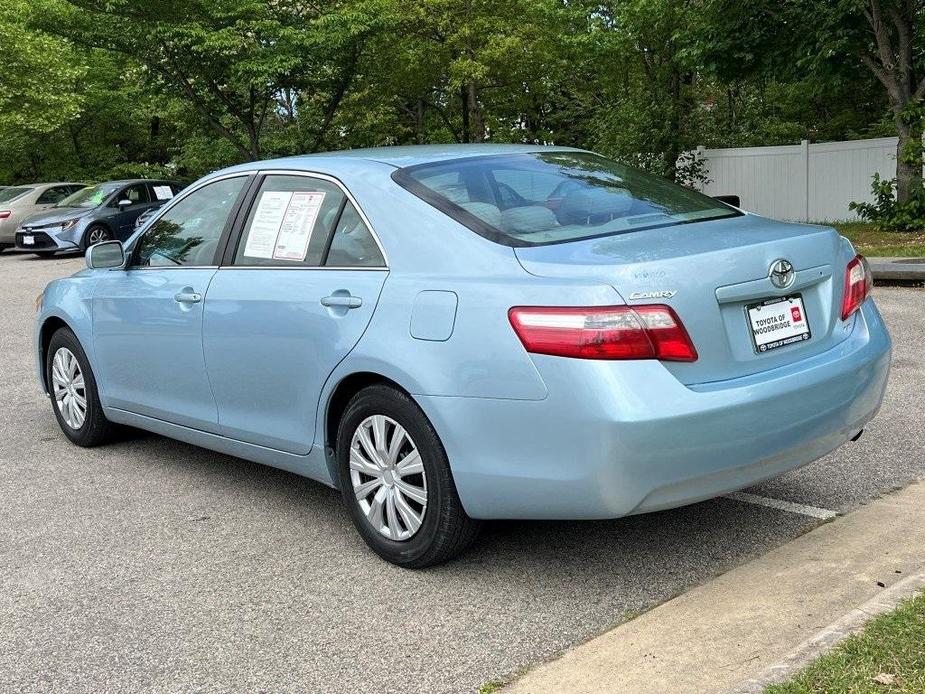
<point x="554" y="197"/>
<point x="189" y="232"/>
<point x="289" y="222"/>
<point x="134" y="194"/>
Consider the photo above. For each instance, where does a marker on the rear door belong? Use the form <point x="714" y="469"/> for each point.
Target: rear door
<point x="294" y="295"/>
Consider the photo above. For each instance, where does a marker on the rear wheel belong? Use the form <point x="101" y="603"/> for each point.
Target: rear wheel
<point x="74" y="395"/>
<point x="396" y="481"/>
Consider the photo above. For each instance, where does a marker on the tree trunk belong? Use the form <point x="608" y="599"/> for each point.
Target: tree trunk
<point x="908" y="162"/>
<point x="419" y="135"/>
<point x="466" y="135"/>
<point x="476" y="123"/>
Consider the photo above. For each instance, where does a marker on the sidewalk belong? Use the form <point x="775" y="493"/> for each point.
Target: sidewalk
<point x="737" y="625"/>
<point x="898" y="269"/>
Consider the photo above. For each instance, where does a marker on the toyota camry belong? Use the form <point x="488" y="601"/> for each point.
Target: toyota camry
<point x="449" y="334"/>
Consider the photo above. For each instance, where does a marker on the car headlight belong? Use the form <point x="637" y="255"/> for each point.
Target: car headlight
<point x="69" y="224"/>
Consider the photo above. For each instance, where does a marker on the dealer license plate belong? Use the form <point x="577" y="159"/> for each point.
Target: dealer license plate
<point x="28" y="240"/>
<point x="778" y="322"/>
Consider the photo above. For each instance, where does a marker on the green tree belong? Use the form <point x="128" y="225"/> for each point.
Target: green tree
<point x="242" y="66"/>
<point x="834" y="41"/>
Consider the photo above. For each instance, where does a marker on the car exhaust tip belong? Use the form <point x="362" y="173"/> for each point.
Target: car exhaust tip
<point x="857" y="435"/>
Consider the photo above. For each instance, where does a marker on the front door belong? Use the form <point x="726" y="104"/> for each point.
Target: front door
<point x="147" y="319"/>
<point x="293" y="300"/>
<point x="122" y="217"/>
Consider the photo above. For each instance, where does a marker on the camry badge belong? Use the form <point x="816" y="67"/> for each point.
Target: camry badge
<point x="663" y="294"/>
<point x="781" y="273"/>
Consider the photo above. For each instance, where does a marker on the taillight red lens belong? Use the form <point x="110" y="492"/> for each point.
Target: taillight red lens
<point x="5" y="213"/>
<point x="603" y="332"/>
<point x="858" y="283"/>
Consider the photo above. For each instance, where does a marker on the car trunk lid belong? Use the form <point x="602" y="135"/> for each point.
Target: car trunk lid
<point x="710" y="273"/>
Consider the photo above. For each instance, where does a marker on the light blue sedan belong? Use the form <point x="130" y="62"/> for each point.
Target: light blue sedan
<point x="456" y="333"/>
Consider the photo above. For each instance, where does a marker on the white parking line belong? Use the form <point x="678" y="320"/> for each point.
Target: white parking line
<point x="811" y="511"/>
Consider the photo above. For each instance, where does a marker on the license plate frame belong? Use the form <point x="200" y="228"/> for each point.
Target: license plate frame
<point x="789" y="330"/>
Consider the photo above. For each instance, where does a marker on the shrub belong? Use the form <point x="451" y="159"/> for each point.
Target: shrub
<point x="889" y="215"/>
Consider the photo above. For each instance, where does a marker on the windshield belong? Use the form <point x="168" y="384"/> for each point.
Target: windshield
<point x="89" y="197"/>
<point x="8" y="194"/>
<point x="554" y="197"/>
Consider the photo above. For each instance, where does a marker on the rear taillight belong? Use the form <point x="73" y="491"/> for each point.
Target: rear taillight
<point x="603" y="332"/>
<point x="858" y="283"/>
<point x="5" y="213"/>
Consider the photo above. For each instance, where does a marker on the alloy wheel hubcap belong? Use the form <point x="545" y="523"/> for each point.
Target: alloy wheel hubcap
<point x="69" y="389"/>
<point x="97" y="235"/>
<point x="388" y="477"/>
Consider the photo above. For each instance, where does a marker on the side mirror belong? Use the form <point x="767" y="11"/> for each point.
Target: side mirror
<point x="108" y="254"/>
<point x="124" y="203"/>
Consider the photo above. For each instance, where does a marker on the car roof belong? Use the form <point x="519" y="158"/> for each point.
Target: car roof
<point x="53" y="183"/>
<point x="129" y="181"/>
<point x="397" y="157"/>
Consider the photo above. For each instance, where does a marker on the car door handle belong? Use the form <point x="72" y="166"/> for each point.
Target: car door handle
<point x="187" y="297"/>
<point x="342" y="300"/>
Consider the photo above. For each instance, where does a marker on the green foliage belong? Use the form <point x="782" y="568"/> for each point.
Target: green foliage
<point x="886" y="213"/>
<point x="887" y="656"/>
<point x="93" y="89"/>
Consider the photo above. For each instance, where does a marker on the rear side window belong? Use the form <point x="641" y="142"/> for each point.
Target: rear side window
<point x="548" y="197"/>
<point x="9" y="194"/>
<point x="53" y="195"/>
<point x="353" y="244"/>
<point x="290" y="221"/>
<point x="188" y="233"/>
<point x="161" y="192"/>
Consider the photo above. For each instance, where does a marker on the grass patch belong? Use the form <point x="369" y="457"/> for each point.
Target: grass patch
<point x="887" y="656"/>
<point x="874" y="243"/>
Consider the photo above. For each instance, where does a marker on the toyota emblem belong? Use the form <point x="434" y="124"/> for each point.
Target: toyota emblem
<point x="781" y="273"/>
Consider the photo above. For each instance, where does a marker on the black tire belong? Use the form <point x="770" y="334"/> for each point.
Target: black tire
<point x="95" y="429"/>
<point x="445" y="530"/>
<point x="90" y="230"/>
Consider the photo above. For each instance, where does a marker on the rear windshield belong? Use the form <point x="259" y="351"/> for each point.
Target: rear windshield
<point x="8" y="194"/>
<point x="554" y="197"/>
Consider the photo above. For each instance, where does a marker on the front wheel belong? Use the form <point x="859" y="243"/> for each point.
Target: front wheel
<point x="94" y="235"/>
<point x="396" y="481"/>
<point x="74" y="395"/>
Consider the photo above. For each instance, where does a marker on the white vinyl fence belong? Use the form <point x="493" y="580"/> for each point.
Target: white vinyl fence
<point x="805" y="182"/>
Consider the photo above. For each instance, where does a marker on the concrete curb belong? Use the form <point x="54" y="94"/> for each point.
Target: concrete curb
<point x="831" y="636"/>
<point x="898" y="269"/>
<point x="720" y="634"/>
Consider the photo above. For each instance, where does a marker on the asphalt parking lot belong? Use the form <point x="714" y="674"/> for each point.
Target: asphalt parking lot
<point x="150" y="565"/>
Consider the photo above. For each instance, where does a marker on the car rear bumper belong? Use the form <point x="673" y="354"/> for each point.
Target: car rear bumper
<point x="616" y="438"/>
